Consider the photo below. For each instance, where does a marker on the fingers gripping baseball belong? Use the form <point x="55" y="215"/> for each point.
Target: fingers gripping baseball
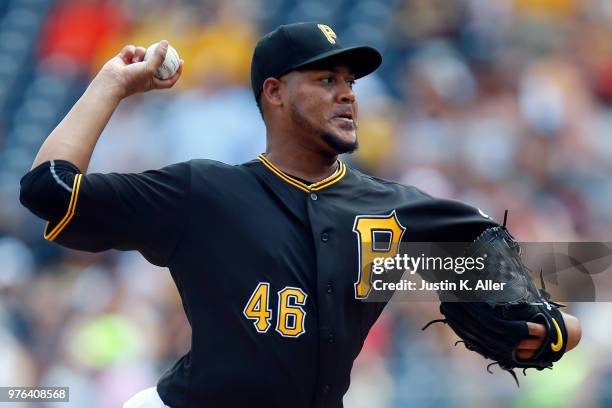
<point x="131" y="54"/>
<point x="157" y="60"/>
<point x="129" y="72"/>
<point x="158" y="57"/>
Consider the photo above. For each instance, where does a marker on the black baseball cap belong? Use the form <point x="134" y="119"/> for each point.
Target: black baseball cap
<point x="299" y="45"/>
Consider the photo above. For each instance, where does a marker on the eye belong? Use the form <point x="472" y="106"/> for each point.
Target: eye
<point x="351" y="83"/>
<point x="327" y="80"/>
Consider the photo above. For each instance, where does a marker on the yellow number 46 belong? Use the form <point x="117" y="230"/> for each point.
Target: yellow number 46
<point x="291" y="315"/>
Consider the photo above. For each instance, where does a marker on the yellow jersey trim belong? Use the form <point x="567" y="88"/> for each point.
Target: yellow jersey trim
<point x="556" y="347"/>
<point x="319" y="185"/>
<point x="50" y="236"/>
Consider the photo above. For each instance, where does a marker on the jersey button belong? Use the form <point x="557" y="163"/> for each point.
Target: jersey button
<point x="325" y="237"/>
<point x="330" y="338"/>
<point x="314" y="196"/>
<point x="329" y="288"/>
<point x="326" y="388"/>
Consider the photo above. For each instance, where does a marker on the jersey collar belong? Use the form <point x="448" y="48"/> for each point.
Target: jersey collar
<point x="319" y="185"/>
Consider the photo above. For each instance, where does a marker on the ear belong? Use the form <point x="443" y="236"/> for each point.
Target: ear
<point x="272" y="91"/>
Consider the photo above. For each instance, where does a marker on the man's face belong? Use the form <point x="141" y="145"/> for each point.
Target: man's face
<point x="321" y="101"/>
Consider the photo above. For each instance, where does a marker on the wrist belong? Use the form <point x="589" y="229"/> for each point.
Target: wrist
<point x="106" y="90"/>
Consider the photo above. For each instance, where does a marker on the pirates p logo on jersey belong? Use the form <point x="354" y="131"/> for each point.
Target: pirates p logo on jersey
<point x="377" y="236"/>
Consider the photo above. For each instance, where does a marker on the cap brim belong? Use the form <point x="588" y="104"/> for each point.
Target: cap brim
<point x="361" y="60"/>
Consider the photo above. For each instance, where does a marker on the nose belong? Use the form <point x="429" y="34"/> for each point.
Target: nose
<point x="346" y="93"/>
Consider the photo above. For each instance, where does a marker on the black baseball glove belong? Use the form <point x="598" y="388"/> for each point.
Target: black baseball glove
<point x="493" y="323"/>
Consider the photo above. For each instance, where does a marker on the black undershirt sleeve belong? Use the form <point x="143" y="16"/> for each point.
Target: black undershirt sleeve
<point x="96" y="212"/>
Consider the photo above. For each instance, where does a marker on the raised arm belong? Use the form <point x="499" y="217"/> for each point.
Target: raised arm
<point x="96" y="212"/>
<point x="75" y="138"/>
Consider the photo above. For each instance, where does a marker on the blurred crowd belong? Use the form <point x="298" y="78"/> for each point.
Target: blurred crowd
<point x="504" y="104"/>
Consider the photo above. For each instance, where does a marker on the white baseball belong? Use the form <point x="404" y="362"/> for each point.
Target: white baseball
<point x="170" y="64"/>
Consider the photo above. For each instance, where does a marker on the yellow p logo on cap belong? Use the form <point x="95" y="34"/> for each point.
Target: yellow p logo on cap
<point x="328" y="32"/>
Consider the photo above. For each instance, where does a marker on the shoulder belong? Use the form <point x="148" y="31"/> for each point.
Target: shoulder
<point x="212" y="177"/>
<point x="380" y="185"/>
<point x="212" y="168"/>
<point x="203" y="165"/>
<point x="417" y="202"/>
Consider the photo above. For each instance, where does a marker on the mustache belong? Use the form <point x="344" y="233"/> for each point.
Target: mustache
<point x="344" y="113"/>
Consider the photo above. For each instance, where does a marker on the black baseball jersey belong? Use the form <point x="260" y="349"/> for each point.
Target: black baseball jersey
<point x="271" y="270"/>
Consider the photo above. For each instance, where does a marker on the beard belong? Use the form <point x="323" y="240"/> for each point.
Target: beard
<point x="333" y="140"/>
<point x="340" y="146"/>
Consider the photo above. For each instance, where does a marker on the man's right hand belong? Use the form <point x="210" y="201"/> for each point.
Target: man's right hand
<point x="127" y="73"/>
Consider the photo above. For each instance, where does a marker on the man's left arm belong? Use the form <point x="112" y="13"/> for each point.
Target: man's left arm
<point x="517" y="327"/>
